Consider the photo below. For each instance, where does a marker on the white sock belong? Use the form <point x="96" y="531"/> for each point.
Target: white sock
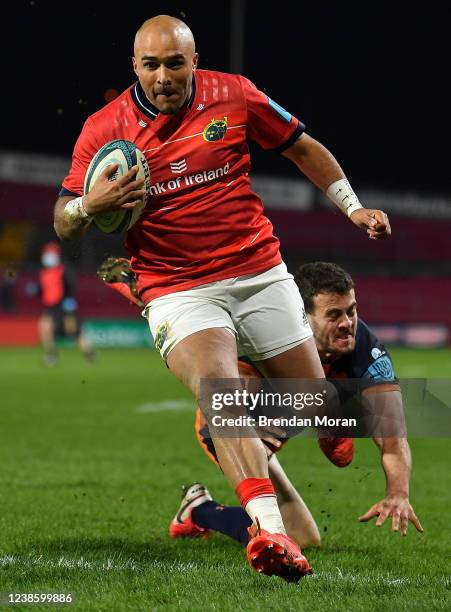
<point x="267" y="511"/>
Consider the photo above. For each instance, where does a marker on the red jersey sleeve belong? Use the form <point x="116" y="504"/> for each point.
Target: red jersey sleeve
<point x="268" y="124"/>
<point x="85" y="149"/>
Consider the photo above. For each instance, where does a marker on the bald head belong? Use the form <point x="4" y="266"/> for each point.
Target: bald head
<point x="170" y="28"/>
<point x="164" y="60"/>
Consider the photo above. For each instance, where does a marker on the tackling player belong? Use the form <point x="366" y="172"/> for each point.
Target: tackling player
<point x="348" y="350"/>
<point x="207" y="263"/>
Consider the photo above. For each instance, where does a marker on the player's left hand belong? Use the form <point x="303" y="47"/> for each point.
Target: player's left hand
<point x="399" y="508"/>
<point x="375" y="222"/>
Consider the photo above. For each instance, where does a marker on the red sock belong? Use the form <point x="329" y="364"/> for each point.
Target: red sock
<point x="253" y="487"/>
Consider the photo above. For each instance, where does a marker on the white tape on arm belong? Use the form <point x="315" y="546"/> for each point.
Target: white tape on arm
<point x="343" y="196"/>
<point x="75" y="211"/>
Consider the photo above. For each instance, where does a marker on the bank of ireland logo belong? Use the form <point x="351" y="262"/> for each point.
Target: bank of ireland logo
<point x="178" y="167"/>
<point x="215" y="130"/>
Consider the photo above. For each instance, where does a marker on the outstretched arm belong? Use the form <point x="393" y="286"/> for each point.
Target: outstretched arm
<point x="396" y="463"/>
<point x="321" y="167"/>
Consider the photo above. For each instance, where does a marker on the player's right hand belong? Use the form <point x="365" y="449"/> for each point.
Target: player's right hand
<point x="109" y="194"/>
<point x="396" y="507"/>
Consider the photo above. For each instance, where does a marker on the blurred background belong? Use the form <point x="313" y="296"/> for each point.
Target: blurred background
<point x="369" y="83"/>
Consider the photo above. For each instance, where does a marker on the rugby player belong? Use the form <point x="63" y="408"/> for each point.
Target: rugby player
<point x="60" y="314"/>
<point x="348" y="350"/>
<point x="207" y="263"/>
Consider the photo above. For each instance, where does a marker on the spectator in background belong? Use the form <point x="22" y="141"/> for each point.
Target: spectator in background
<point x="7" y="282"/>
<point x="60" y="317"/>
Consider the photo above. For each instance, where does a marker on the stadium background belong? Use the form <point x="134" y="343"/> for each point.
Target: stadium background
<point x="80" y="442"/>
<point x="367" y="82"/>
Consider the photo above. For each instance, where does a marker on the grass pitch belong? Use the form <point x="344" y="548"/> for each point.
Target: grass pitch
<point x="92" y="458"/>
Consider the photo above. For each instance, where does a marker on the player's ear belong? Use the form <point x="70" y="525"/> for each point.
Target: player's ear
<point x="195" y="60"/>
<point x="135" y="66"/>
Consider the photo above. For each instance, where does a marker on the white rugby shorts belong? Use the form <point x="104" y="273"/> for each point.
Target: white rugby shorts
<point x="264" y="311"/>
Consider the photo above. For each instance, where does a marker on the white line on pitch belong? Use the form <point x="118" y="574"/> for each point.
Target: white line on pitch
<point x="108" y="564"/>
<point x="173" y="404"/>
<point x="131" y="564"/>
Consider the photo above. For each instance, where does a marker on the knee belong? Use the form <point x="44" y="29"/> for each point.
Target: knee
<point x="313" y="539"/>
<point x="311" y="536"/>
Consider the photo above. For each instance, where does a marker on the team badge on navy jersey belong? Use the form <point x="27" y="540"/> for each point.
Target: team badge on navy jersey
<point x="369" y="363"/>
<point x="215" y="130"/>
<point x="382" y="369"/>
<point x="376" y="352"/>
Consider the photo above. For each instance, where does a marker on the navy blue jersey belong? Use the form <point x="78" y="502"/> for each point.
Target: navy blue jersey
<point x="370" y="362"/>
<point x="368" y="365"/>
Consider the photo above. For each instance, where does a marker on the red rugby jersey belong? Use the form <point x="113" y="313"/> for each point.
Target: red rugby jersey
<point x="53" y="286"/>
<point x="202" y="222"/>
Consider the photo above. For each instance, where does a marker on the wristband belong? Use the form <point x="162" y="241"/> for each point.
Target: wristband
<point x="75" y="210"/>
<point x="342" y="194"/>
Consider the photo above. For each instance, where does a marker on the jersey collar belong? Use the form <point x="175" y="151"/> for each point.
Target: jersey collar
<point x="146" y="107"/>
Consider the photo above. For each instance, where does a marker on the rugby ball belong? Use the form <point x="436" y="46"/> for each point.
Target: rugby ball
<point x="126" y="154"/>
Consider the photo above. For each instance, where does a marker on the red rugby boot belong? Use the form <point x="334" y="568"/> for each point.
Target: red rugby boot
<point x="275" y="554"/>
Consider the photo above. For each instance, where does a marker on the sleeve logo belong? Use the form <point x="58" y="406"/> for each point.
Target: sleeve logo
<point x="381" y="369"/>
<point x="215" y="130"/>
<point x="279" y="110"/>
